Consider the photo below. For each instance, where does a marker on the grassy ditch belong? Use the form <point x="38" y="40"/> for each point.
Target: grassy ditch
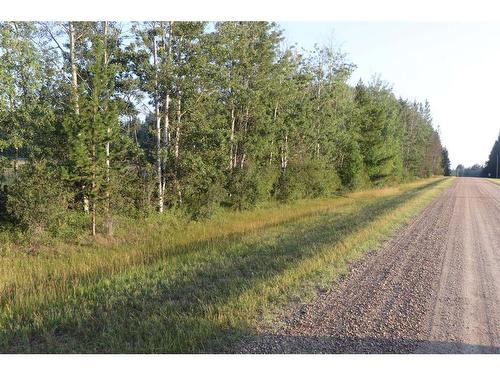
<point x="170" y="286"/>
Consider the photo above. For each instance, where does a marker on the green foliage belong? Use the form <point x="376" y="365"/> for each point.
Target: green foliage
<point x="492" y="167"/>
<point x="234" y="118"/>
<point x="474" y="171"/>
<point x="378" y="126"/>
<point x="445" y="162"/>
<point x="350" y="167"/>
<point x="39" y="201"/>
<point x="172" y="286"/>
<point x="311" y="179"/>
<point x="247" y="187"/>
<point x="203" y="187"/>
<point x="4" y="217"/>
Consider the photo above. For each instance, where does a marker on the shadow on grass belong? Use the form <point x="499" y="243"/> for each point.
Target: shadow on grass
<point x="360" y="345"/>
<point x="177" y="305"/>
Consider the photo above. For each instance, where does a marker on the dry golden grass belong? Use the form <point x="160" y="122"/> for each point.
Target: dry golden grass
<point x="494" y="180"/>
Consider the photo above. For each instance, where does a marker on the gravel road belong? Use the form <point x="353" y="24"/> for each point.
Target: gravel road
<point x="434" y="287"/>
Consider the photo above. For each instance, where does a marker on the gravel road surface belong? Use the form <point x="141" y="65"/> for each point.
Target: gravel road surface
<point x="434" y="287"/>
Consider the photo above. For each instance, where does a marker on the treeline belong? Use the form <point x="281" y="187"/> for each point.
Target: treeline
<point x="492" y="166"/>
<point x="126" y="119"/>
<point x="490" y="169"/>
<point x="475" y="171"/>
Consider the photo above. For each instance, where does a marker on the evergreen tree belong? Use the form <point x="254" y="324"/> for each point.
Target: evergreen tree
<point x="491" y="167"/>
<point x="193" y="117"/>
<point x="445" y="162"/>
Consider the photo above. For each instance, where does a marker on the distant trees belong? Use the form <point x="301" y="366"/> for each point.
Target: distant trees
<point x="492" y="167"/>
<point x="474" y="171"/>
<point x="131" y="119"/>
<point x="445" y="162"/>
<point x="459" y="171"/>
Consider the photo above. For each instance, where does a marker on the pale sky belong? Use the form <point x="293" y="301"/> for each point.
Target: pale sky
<point x="454" y="65"/>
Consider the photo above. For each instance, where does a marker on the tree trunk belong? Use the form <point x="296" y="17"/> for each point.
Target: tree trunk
<point x="74" y="91"/>
<point x="109" y="218"/>
<point x="93" y="182"/>
<point x="176" y="151"/>
<point x="286" y="149"/>
<point x="318" y="125"/>
<point x="93" y="185"/>
<point x="166" y="136"/>
<point x="271" y="153"/>
<point x="231" y="139"/>
<point x="235" y="157"/>
<point x="242" y="148"/>
<point x="166" y="129"/>
<point x="94" y="218"/>
<point x="74" y="76"/>
<point x="275" y="116"/>
<point x="158" y="129"/>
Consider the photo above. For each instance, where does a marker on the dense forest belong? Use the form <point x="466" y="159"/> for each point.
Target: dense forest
<point x="103" y="120"/>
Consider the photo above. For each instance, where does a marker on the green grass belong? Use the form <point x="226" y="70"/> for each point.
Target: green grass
<point x="167" y="285"/>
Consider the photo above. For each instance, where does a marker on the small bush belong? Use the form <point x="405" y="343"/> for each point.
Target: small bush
<point x="38" y="200"/>
<point x="3" y="204"/>
<point x="310" y="179"/>
<point x="249" y="186"/>
<point x="133" y="192"/>
<point x="205" y="200"/>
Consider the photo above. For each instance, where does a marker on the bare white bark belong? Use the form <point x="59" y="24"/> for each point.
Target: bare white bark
<point x="167" y="41"/>
<point x="242" y="162"/>
<point x="158" y="128"/>
<point x="271" y="153"/>
<point x="231" y="139"/>
<point x="74" y="75"/>
<point x="176" y="150"/>
<point x="74" y="91"/>
<point x="109" y="219"/>
<point x="275" y="116"/>
<point x="245" y="130"/>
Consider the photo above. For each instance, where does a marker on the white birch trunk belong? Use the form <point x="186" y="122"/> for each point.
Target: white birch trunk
<point x="166" y="128"/>
<point x="74" y="76"/>
<point x="158" y="128"/>
<point x="176" y="151"/>
<point x="74" y="90"/>
<point x="231" y="139"/>
<point x="109" y="219"/>
<point x="275" y="116"/>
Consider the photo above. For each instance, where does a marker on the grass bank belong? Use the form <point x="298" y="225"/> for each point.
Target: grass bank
<point x="494" y="180"/>
<point x="171" y="286"/>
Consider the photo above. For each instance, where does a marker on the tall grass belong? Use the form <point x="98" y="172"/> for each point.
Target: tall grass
<point x="168" y="285"/>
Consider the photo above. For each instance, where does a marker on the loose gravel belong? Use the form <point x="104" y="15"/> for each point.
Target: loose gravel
<point x="434" y="287"/>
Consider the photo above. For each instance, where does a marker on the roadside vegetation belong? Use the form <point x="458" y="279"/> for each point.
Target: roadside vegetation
<point x="170" y="286"/>
<point x="104" y="122"/>
<point x="165" y="184"/>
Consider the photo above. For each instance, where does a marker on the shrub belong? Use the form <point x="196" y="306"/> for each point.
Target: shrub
<point x="310" y="179"/>
<point x="249" y="186"/>
<point x="38" y="200"/>
<point x="3" y="203"/>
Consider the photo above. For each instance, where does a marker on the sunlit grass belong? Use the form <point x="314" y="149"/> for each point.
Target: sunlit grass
<point x="494" y="180"/>
<point x="168" y="285"/>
